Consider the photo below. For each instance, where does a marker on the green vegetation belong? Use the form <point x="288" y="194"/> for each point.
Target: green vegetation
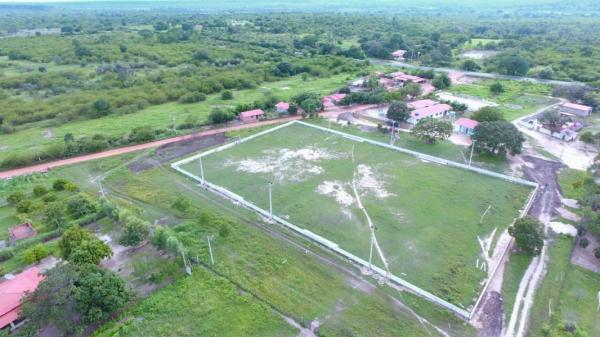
<point x="571" y="290"/>
<point x="572" y="183"/>
<point x="341" y="222"/>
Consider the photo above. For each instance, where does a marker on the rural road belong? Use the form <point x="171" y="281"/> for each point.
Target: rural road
<point x="114" y="152"/>
<point x="474" y="73"/>
<point x="329" y="113"/>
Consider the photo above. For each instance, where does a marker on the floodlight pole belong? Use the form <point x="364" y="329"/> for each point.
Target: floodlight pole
<point x="212" y="260"/>
<point x="201" y="170"/>
<point x="471" y="156"/>
<point x="271" y="199"/>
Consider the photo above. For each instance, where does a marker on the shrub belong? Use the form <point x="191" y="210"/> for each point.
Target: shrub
<point x="227" y="95"/>
<point x="80" y="205"/>
<point x="584" y="242"/>
<point x="15" y="198"/>
<point x="5" y="255"/>
<point x="597" y="252"/>
<point x="24" y="206"/>
<point x="59" y="184"/>
<point x="36" y="253"/>
<point x="39" y="190"/>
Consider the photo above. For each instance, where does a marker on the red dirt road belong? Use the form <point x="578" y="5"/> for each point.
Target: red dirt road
<point x="109" y="153"/>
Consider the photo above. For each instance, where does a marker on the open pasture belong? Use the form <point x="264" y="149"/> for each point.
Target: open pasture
<point x="427" y="217"/>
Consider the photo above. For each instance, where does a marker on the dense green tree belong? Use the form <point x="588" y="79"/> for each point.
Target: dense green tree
<point x="513" y="65"/>
<point x="496" y="88"/>
<point x="398" y="111"/>
<point x="441" y="81"/>
<point x="54" y="215"/>
<point x="497" y="138"/>
<point x="79" y="246"/>
<point x="135" y="230"/>
<point x="430" y="130"/>
<point x="528" y="234"/>
<point x="470" y="65"/>
<point x="488" y="114"/>
<point x="80" y="205"/>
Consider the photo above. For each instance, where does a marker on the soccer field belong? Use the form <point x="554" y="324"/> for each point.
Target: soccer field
<point x="427" y="216"/>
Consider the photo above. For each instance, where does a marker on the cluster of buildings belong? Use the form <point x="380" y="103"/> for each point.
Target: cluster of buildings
<point x="571" y="122"/>
<point x="14" y="287"/>
<point x="394" y="81"/>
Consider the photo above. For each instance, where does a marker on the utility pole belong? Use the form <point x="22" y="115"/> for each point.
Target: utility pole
<point x="271" y="199"/>
<point x="212" y="260"/>
<point x="201" y="170"/>
<point x="471" y="156"/>
<point x="173" y="118"/>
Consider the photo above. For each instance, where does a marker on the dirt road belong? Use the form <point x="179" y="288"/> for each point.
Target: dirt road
<point x="109" y="153"/>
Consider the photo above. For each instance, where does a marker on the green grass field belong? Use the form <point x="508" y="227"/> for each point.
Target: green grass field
<point x="297" y="284"/>
<point x="413" y="204"/>
<point x="571" y="290"/>
<point x="517" y="100"/>
<point x="158" y="116"/>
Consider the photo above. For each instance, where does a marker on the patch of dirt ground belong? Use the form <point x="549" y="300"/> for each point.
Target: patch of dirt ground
<point x="584" y="257"/>
<point x="172" y="151"/>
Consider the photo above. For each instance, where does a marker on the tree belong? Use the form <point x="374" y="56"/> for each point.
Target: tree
<point x="398" y="111"/>
<point x="79" y="246"/>
<point x="68" y="137"/>
<point x="496" y="88"/>
<point x="71" y="295"/>
<point x="431" y="130"/>
<point x="39" y="190"/>
<point x="217" y="116"/>
<point x="123" y="48"/>
<point x="553" y="119"/>
<point x="513" y="65"/>
<point x="411" y="89"/>
<point x="99" y="293"/>
<point x="587" y="137"/>
<point x="470" y="65"/>
<point x="54" y="216"/>
<point x="488" y="114"/>
<point x="497" y="138"/>
<point x="441" y="81"/>
<point x="134" y="229"/>
<point x="101" y="107"/>
<point x="80" y="205"/>
<point x="528" y="234"/>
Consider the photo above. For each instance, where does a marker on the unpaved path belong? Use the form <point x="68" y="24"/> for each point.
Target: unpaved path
<point x="543" y="172"/>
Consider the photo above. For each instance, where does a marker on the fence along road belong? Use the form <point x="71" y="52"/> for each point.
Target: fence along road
<point x="237" y="199"/>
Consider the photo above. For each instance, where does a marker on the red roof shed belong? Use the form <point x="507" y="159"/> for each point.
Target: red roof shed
<point x="11" y="292"/>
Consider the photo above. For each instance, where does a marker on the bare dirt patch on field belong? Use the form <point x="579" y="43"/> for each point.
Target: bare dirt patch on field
<point x="172" y="151"/>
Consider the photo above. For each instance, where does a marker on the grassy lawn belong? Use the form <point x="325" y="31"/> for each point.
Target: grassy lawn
<point x="200" y="305"/>
<point x="316" y="194"/>
<point x="296" y="284"/>
<point x="571" y="182"/>
<point x="571" y="290"/>
<point x="158" y="116"/>
<point x="517" y="100"/>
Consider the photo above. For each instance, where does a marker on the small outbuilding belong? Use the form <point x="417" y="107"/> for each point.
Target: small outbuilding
<point x="466" y="125"/>
<point x="576" y="109"/>
<point x="20" y="232"/>
<point x="398" y="55"/>
<point x="12" y="291"/>
<point x="251" y="115"/>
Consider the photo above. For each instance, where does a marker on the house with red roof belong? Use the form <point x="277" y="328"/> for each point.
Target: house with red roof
<point x="422" y="103"/>
<point x="576" y="109"/>
<point x="402" y="78"/>
<point x="398" y="55"/>
<point x="12" y="291"/>
<point x="466" y="125"/>
<point x="282" y="107"/>
<point x="433" y="111"/>
<point x="20" y="232"/>
<point x="251" y="115"/>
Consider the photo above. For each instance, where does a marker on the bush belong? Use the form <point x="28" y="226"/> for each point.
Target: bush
<point x="80" y="205"/>
<point x="24" y="206"/>
<point x="226" y="95"/>
<point x="39" y="190"/>
<point x="219" y="116"/>
<point x="59" y="184"/>
<point x="597" y="252"/>
<point x="36" y="253"/>
<point x="584" y="242"/>
<point x="6" y="255"/>
<point x="15" y="198"/>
